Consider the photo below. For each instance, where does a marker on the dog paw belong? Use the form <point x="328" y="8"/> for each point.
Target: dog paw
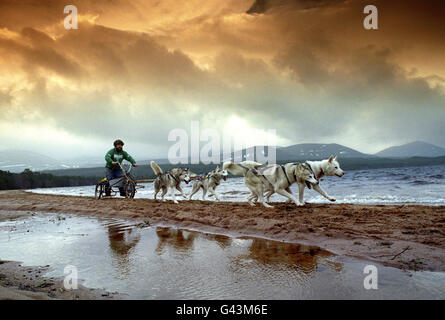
<point x="176" y="202"/>
<point x="300" y="204"/>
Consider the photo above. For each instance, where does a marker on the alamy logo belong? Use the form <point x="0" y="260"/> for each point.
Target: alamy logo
<point x="216" y="148"/>
<point x="71" y="278"/>
<point x="70" y="21"/>
<point x="370" y="281"/>
<point x="371" y="20"/>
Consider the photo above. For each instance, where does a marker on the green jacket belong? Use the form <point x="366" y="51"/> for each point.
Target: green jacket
<point x="115" y="156"/>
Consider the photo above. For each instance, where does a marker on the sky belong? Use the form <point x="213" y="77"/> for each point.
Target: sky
<point x="283" y="71"/>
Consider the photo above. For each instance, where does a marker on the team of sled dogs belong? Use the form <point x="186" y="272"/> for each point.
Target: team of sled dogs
<point x="263" y="180"/>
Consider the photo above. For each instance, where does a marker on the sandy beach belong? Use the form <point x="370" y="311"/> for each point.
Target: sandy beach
<point x="408" y="237"/>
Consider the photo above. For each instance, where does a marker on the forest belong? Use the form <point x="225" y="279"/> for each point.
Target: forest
<point x="30" y="180"/>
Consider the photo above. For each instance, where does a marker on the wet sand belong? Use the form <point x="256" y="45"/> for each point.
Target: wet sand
<point x="408" y="237"/>
<point x="27" y="283"/>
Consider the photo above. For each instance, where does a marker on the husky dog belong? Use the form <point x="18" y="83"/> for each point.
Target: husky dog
<point x="329" y="167"/>
<point x="209" y="183"/>
<point x="271" y="178"/>
<point x="169" y="180"/>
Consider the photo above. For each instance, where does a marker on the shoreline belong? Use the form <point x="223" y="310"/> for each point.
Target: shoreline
<point x="18" y="282"/>
<point x="409" y="237"/>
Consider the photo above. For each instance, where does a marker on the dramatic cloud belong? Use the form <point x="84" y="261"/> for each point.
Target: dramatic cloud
<point x="138" y="69"/>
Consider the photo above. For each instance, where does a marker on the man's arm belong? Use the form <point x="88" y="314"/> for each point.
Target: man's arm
<point x="129" y="158"/>
<point x="108" y="158"/>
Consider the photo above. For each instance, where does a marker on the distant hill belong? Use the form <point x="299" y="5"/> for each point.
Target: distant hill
<point x="144" y="171"/>
<point x="309" y="151"/>
<point x="413" y="149"/>
<point x="19" y="160"/>
<point x="303" y="151"/>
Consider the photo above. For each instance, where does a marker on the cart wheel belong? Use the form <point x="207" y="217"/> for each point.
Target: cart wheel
<point x="99" y="191"/>
<point x="130" y="189"/>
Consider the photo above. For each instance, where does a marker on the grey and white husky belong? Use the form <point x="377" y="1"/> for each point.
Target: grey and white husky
<point x="209" y="183"/>
<point x="271" y="178"/>
<point x="328" y="167"/>
<point x="168" y="181"/>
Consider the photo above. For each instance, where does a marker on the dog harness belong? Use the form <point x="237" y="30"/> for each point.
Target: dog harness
<point x="321" y="174"/>
<point x="284" y="171"/>
<point x="171" y="175"/>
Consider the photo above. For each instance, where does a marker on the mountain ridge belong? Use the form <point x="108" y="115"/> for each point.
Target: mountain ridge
<point x="15" y="160"/>
<point x="412" y="149"/>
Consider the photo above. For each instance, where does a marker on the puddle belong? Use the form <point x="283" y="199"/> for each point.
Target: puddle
<point x="168" y="263"/>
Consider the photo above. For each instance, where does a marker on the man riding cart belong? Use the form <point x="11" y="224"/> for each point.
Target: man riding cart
<point x="113" y="168"/>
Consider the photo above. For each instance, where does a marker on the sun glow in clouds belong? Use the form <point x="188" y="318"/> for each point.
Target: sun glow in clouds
<point x="246" y="136"/>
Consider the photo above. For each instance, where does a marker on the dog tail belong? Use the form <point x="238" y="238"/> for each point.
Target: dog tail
<point x="251" y="164"/>
<point x="157" y="169"/>
<point x="234" y="168"/>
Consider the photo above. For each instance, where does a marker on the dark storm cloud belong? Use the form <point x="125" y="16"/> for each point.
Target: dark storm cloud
<point x="261" y="6"/>
<point x="39" y="52"/>
<point x="313" y="75"/>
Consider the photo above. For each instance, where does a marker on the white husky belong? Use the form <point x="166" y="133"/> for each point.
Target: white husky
<point x="272" y="178"/>
<point x="209" y="183"/>
<point x="329" y="167"/>
<point x="169" y="180"/>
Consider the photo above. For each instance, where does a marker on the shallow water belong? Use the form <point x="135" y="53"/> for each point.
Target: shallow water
<point x="167" y="263"/>
<point x="413" y="185"/>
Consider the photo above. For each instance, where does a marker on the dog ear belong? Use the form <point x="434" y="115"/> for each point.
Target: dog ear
<point x="330" y="159"/>
<point x="335" y="158"/>
<point x="217" y="167"/>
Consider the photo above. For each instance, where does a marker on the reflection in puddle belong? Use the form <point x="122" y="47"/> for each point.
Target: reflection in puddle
<point x="179" y="240"/>
<point x="122" y="242"/>
<point x="167" y="263"/>
<point x="300" y="257"/>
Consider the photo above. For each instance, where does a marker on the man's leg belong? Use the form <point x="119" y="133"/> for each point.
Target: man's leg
<point x="109" y="176"/>
<point x="118" y="174"/>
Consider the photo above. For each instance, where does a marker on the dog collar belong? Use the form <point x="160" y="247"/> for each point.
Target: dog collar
<point x="321" y="174"/>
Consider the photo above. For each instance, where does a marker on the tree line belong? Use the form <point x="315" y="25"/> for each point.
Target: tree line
<point x="30" y="180"/>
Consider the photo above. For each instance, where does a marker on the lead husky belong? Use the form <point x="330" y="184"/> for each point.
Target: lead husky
<point x="329" y="167"/>
<point x="272" y="178"/>
<point x="169" y="180"/>
<point x="209" y="183"/>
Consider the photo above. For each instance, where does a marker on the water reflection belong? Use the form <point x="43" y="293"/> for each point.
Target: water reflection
<point x="180" y="240"/>
<point x="222" y="240"/>
<point x="301" y="257"/>
<point x="166" y="263"/>
<point x="123" y="239"/>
